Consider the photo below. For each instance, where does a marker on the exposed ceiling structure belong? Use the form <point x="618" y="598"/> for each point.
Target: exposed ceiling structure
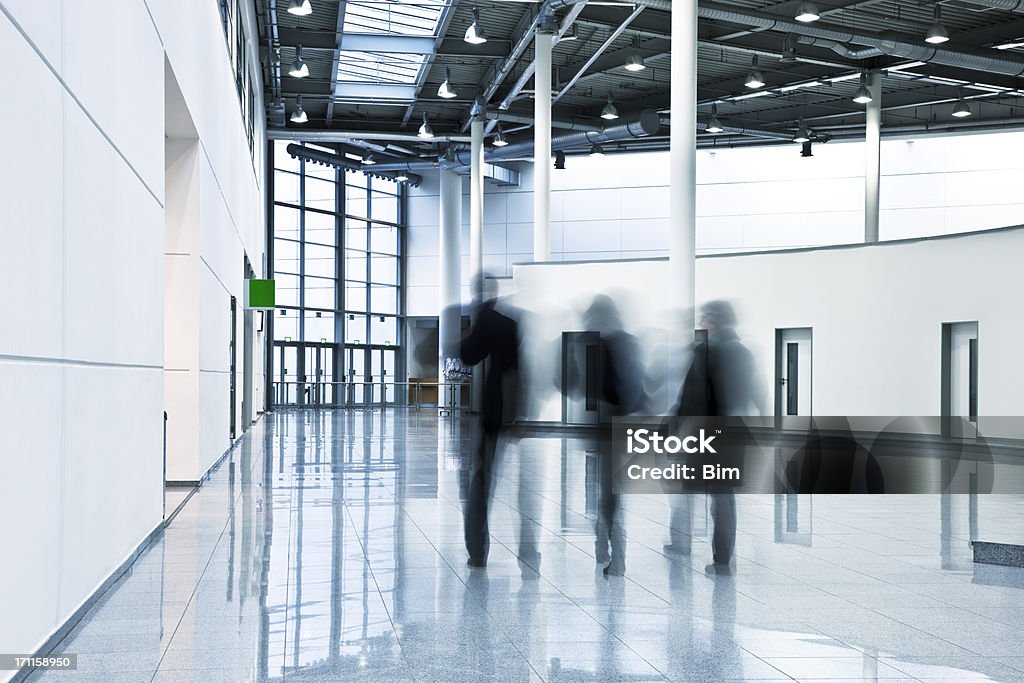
<point x="376" y="67"/>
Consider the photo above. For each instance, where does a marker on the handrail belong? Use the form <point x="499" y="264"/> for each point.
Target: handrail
<point x="317" y="393"/>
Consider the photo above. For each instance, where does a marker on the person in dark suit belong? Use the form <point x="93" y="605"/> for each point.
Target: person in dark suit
<point x="621" y="390"/>
<point x="719" y="383"/>
<point x="494" y="338"/>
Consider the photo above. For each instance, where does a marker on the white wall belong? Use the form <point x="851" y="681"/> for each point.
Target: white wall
<point x="747" y="199"/>
<point x="876" y="314"/>
<point x="82" y="253"/>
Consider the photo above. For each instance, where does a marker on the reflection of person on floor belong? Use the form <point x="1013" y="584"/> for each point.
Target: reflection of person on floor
<point x="621" y="379"/>
<point x="494" y="337"/>
<point x="720" y="382"/>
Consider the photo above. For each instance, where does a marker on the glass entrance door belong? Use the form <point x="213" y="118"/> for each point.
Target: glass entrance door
<point x="306" y="374"/>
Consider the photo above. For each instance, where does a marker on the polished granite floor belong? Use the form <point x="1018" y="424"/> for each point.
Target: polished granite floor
<point x="328" y="547"/>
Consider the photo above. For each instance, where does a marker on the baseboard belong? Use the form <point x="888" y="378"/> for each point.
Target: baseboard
<point x="71" y="622"/>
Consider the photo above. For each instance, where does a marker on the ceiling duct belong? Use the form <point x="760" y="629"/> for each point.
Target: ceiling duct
<point x="1006" y="5"/>
<point x="893" y="44"/>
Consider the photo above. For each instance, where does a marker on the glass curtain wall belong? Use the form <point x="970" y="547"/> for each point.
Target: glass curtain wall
<point x="337" y="263"/>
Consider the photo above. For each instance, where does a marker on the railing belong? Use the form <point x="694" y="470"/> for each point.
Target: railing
<point x="339" y="394"/>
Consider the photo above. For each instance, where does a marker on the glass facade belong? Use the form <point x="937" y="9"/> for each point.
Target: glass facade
<point x="337" y="262"/>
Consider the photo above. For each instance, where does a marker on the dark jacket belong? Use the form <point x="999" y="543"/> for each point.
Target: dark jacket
<point x="494" y="337"/>
<point x="621" y="372"/>
<point x="720" y="379"/>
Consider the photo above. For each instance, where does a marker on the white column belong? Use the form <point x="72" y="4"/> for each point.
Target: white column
<point x="449" y="279"/>
<point x="683" y="163"/>
<point x="542" y="148"/>
<point x="476" y="207"/>
<point x="872" y="157"/>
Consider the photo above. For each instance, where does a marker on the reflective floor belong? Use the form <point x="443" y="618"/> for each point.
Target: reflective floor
<point x="328" y="547"/>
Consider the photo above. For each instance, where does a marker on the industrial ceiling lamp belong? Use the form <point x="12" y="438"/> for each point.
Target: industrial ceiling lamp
<point x="596" y="151"/>
<point x="962" y="109"/>
<point x="807" y="12"/>
<point x="299" y="115"/>
<point x="635" y="62"/>
<point x="755" y="79"/>
<point x="445" y="90"/>
<point x="863" y="95"/>
<point x="499" y="138"/>
<point x="368" y="160"/>
<point x="300" y="8"/>
<point x="802" y="133"/>
<point x="937" y="33"/>
<point x="610" y="112"/>
<point x="299" y="68"/>
<point x="714" y="125"/>
<point x="401" y="176"/>
<point x="475" y="34"/>
<point x="425" y="131"/>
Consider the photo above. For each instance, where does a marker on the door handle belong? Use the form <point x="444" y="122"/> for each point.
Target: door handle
<point x="782" y="380"/>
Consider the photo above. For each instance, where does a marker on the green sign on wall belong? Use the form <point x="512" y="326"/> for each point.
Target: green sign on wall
<point x="259" y="294"/>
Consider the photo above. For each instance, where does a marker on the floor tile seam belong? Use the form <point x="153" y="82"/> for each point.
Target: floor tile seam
<point x="188" y="603"/>
<point x="376" y="584"/>
<point x="923" y="633"/>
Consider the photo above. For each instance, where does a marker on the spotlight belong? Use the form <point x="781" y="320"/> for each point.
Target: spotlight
<point x="610" y="113"/>
<point x="445" y="89"/>
<point x="425" y="131"/>
<point x="596" y="151"/>
<point x="635" y="63"/>
<point x="299" y="68"/>
<point x="560" y="160"/>
<point x="714" y="125"/>
<point x="499" y="138"/>
<point x="937" y="33"/>
<point x="755" y="79"/>
<point x="962" y="109"/>
<point x="300" y="7"/>
<point x="802" y="133"/>
<point x="863" y="95"/>
<point x="807" y="12"/>
<point x="475" y="34"/>
<point x="299" y="115"/>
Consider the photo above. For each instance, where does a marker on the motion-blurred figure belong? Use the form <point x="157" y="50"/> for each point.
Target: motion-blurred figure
<point x="621" y="384"/>
<point x="494" y="337"/>
<point x="720" y="382"/>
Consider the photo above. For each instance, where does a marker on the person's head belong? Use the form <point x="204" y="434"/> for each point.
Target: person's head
<point x="602" y="315"/>
<point x="717" y="315"/>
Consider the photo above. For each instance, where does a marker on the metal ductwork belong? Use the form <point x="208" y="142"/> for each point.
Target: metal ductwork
<point x="895" y="45"/>
<point x="331" y="136"/>
<point x="839" y="48"/>
<point x="327" y="159"/>
<point x="751" y="132"/>
<point x="1005" y="5"/>
<point x="640" y="125"/>
<point x="555" y="123"/>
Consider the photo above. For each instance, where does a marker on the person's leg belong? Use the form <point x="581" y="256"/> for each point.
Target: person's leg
<point x="723" y="511"/>
<point x="477" y="535"/>
<point x="680" y="524"/>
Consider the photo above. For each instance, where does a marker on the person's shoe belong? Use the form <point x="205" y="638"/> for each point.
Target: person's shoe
<point x="474" y="562"/>
<point x="716" y="569"/>
<point x="676" y="550"/>
<point x="615" y="570"/>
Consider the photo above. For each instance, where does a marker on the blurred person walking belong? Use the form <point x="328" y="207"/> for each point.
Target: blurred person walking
<point x="719" y="383"/>
<point x="494" y="338"/>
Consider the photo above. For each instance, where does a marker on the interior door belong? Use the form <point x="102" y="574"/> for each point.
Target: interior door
<point x="793" y="372"/>
<point x="960" y="378"/>
<point x="581" y="377"/>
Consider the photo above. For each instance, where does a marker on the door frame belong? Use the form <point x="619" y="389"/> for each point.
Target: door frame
<point x="779" y="377"/>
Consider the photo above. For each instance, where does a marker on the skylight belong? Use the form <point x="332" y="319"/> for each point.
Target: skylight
<point x="394" y="17"/>
<point x="377" y="67"/>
